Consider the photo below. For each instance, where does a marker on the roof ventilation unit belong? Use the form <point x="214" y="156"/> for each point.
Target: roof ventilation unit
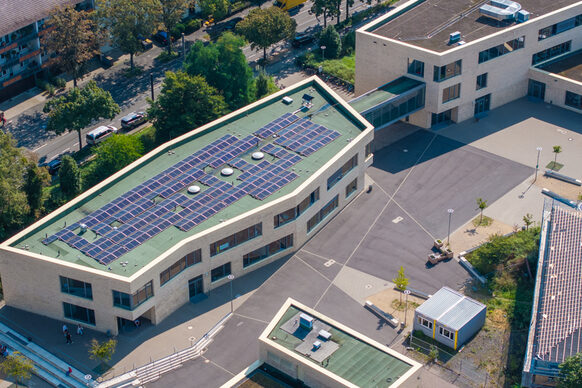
<point x="287" y="100"/>
<point x="502" y="10"/>
<point x="307" y="101"/>
<point x="522" y="16"/>
<point x="454" y="37"/>
<point x="306" y="321"/>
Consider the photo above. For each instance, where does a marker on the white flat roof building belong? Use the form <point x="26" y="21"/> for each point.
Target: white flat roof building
<point x="473" y="57"/>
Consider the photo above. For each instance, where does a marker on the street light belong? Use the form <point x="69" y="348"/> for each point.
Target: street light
<point x="231" y="278"/>
<point x="406" y="292"/>
<point x="538" y="162"/>
<point x="323" y="52"/>
<point x="183" y="47"/>
<point x="450" y="211"/>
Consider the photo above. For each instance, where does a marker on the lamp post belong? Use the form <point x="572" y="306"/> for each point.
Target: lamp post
<point x="231" y="278"/>
<point x="450" y="211"/>
<point x="406" y="292"/>
<point x="538" y="162"/>
<point x="323" y="52"/>
<point x="183" y="47"/>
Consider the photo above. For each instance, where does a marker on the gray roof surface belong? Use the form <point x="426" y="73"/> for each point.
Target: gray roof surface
<point x="15" y="14"/>
<point x="450" y="308"/>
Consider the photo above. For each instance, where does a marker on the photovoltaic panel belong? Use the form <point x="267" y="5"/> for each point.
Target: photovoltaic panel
<point x="276" y="125"/>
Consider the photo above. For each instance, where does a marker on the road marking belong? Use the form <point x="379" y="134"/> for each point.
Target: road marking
<point x="397" y="220"/>
<point x="329" y="263"/>
<point x="39" y="147"/>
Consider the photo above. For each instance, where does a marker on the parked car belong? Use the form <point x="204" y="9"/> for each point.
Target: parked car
<point x="53" y="166"/>
<point x="163" y="38"/>
<point x="146" y="43"/>
<point x="302" y="40"/>
<point x="99" y="134"/>
<point x="133" y="120"/>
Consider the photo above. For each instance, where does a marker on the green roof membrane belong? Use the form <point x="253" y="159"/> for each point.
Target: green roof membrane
<point x="325" y="111"/>
<point x="383" y="93"/>
<point x="355" y="361"/>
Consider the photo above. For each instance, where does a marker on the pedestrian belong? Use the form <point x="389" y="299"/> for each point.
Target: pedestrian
<point x="65" y="330"/>
<point x="79" y="330"/>
<point x="69" y="339"/>
<point x="69" y="371"/>
<point x="137" y="323"/>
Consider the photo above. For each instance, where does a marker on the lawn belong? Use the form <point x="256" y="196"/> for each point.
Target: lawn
<point x="343" y="68"/>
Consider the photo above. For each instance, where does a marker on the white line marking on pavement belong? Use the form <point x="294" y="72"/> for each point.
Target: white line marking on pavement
<point x="397" y="220"/>
<point x="39" y="147"/>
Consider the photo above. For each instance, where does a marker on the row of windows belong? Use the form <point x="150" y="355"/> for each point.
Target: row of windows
<point x="447" y="333"/>
<point x="78" y="313"/>
<point x="324" y="212"/>
<point x="424" y="322"/>
<point x="187" y="261"/>
<point x="236" y="239"/>
<point x="291" y="214"/>
<point x="560" y="27"/>
<point x="574" y="100"/>
<point x="502" y="49"/>
<point x="76" y="288"/>
<point x="551" y="52"/>
<point x="130" y="302"/>
<point x="343" y="171"/>
<point x="448" y="71"/>
<point x="268" y="250"/>
<point x="451" y="93"/>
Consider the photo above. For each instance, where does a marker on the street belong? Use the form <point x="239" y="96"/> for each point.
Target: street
<point x="131" y="93"/>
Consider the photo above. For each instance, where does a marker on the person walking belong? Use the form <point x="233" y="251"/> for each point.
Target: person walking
<point x="65" y="330"/>
<point x="69" y="371"/>
<point x="69" y="339"/>
<point x="79" y="330"/>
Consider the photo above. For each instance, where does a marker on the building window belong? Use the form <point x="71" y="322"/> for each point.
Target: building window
<point x="448" y="71"/>
<point x="481" y="81"/>
<point x="451" y="93"/>
<point x="446" y="333"/>
<point x="291" y="214"/>
<point x="505" y="48"/>
<point x="368" y="149"/>
<point x="220" y="272"/>
<point x="187" y="261"/>
<point x="324" y="212"/>
<point x="560" y="27"/>
<point x="574" y="100"/>
<point x="343" y="171"/>
<point x="552" y="52"/>
<point x="236" y="239"/>
<point x="130" y="302"/>
<point x="352" y="187"/>
<point x="268" y="250"/>
<point x="416" y="67"/>
<point x="424" y="322"/>
<point x="78" y="313"/>
<point x="76" y="287"/>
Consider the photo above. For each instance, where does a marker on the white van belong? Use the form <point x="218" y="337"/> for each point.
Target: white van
<point x="97" y="135"/>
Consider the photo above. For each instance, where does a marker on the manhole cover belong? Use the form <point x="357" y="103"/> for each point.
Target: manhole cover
<point x="189" y="327"/>
<point x="368" y="286"/>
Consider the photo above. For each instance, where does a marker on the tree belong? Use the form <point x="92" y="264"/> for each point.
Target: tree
<point x="13" y="201"/>
<point x="18" y="367"/>
<point x="401" y="281"/>
<point x="218" y="9"/>
<point x="36" y="179"/>
<point x="70" y="177"/>
<point x="349" y="3"/>
<point x="571" y="372"/>
<point x="528" y="220"/>
<point x="115" y="153"/>
<point x="481" y="205"/>
<point x="74" y="37"/>
<point x="265" y="27"/>
<point x="171" y="12"/>
<point x="264" y="85"/>
<point x="127" y="21"/>
<point x="332" y="42"/>
<point x="327" y="8"/>
<point x="225" y="67"/>
<point x="102" y="351"/>
<point x="556" y="149"/>
<point x="185" y="102"/>
<point x="79" y="108"/>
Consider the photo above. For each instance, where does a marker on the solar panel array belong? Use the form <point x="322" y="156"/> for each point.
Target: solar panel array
<point x="156" y="204"/>
<point x="559" y="315"/>
<point x="305" y="137"/>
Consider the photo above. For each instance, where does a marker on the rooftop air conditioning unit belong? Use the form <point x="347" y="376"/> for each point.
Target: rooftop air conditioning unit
<point x="454" y="37"/>
<point x="287" y="100"/>
<point x="306" y="321"/>
<point x="522" y="16"/>
<point x="326" y="335"/>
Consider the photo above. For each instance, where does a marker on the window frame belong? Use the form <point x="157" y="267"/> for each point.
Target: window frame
<point x="448" y="71"/>
<point x="415" y="67"/>
<point x="451" y="93"/>
<point x="66" y="287"/>
<point x="573" y="100"/>
<point x="90" y="313"/>
<point x="134" y="300"/>
<point x="482" y="80"/>
<point x="443" y="332"/>
<point x="236" y="239"/>
<point x="214" y="279"/>
<point x="425" y="323"/>
<point x="342" y="172"/>
<point x="192" y="258"/>
<point x="351" y="188"/>
<point x="501" y="49"/>
<point x="322" y="214"/>
<point x="268" y="250"/>
<point x="551" y="52"/>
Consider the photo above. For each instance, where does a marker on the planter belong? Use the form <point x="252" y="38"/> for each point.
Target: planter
<point x="434" y="258"/>
<point x="438" y="244"/>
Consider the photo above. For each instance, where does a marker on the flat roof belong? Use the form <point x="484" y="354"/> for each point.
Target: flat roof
<point x="326" y="112"/>
<point x="569" y="66"/>
<point x="16" y="14"/>
<point x="450" y="308"/>
<point x="352" y="358"/>
<point x="429" y="23"/>
<point x="558" y="317"/>
<point x="383" y="93"/>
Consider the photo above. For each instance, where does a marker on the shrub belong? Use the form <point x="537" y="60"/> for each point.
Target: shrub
<point x="192" y="25"/>
<point x="59" y="82"/>
<point x="433" y="355"/>
<point x="349" y="43"/>
<point x="178" y="30"/>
